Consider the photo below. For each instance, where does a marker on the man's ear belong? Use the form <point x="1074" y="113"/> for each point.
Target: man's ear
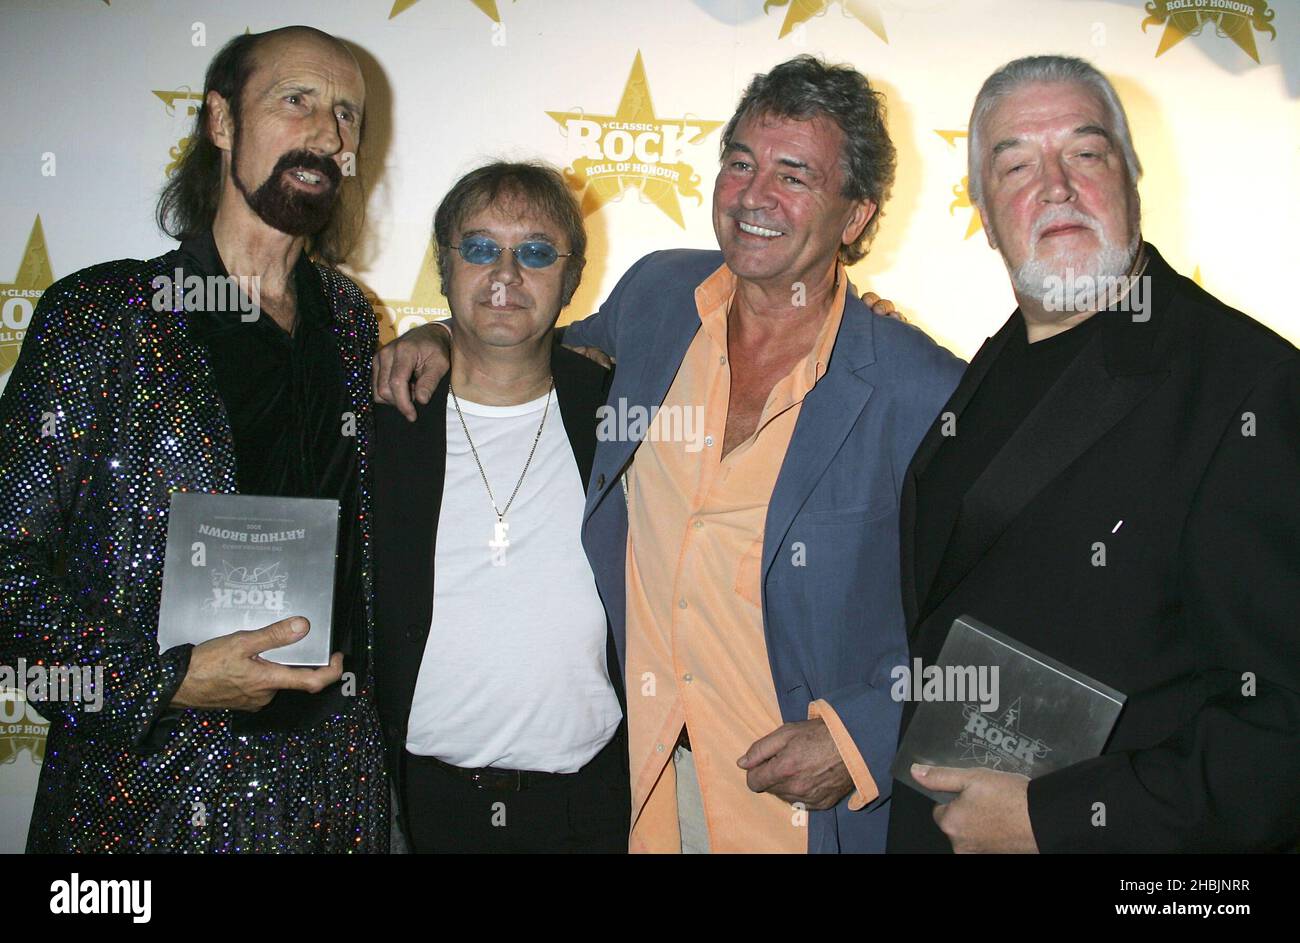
<point x="863" y="212"/>
<point x="221" y="123"/>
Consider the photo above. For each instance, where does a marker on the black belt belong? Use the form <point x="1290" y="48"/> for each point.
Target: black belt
<point x="490" y="777"/>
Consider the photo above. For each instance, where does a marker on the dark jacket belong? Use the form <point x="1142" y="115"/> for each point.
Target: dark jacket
<point x="1185" y="427"/>
<point x="410" y="463"/>
<point x="83" y="534"/>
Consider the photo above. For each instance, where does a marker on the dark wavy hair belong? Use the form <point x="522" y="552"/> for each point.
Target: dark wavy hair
<point x="537" y="186"/>
<point x="188" y="202"/>
<point x="804" y="88"/>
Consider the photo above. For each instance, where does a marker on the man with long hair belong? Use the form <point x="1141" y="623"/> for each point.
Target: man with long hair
<point x="133" y="385"/>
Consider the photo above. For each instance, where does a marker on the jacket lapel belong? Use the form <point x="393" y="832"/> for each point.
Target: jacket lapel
<point x="828" y="413"/>
<point x="580" y="387"/>
<point x="1117" y="369"/>
<point x="409" y="470"/>
<point x="957" y="403"/>
<point x="647" y="389"/>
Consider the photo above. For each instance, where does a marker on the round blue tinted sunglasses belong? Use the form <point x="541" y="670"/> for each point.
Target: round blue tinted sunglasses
<point x="479" y="250"/>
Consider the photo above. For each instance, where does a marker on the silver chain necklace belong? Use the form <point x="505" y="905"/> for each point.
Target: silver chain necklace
<point x="500" y="540"/>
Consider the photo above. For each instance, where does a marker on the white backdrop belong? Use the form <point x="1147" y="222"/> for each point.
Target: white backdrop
<point x="98" y="94"/>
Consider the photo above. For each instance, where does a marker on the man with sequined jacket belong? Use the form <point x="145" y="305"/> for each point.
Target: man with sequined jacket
<point x="131" y="386"/>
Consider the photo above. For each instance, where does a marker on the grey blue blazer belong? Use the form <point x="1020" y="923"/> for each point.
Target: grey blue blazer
<point x="834" y="625"/>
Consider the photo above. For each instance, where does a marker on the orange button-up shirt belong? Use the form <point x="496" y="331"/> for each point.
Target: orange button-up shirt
<point x="696" y="652"/>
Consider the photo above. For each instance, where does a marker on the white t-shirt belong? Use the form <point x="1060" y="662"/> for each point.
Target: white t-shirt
<point x="514" y="671"/>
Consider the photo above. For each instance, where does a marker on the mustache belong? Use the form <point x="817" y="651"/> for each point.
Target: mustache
<point x="1062" y="214"/>
<point x="306" y="160"/>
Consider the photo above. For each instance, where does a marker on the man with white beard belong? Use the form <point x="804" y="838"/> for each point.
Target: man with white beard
<point x="1112" y="484"/>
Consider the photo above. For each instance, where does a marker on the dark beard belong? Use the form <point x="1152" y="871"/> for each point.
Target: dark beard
<point x="280" y="205"/>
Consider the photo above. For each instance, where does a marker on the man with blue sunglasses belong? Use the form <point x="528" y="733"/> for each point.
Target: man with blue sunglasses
<point x="496" y="676"/>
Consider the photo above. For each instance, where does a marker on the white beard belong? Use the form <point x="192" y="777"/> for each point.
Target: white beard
<point x="1035" y="276"/>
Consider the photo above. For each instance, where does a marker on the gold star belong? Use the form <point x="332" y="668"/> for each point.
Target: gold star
<point x="962" y="190"/>
<point x="427" y="300"/>
<point x="487" y="6"/>
<point x="34" y="276"/>
<point x="801" y="11"/>
<point x="16" y="737"/>
<point x="170" y="97"/>
<point x="1190" y="22"/>
<point x="659" y="174"/>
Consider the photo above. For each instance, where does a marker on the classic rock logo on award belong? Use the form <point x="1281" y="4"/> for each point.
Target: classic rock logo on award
<point x="258" y="590"/>
<point x="633" y="148"/>
<point x="1236" y="20"/>
<point x="801" y="11"/>
<point x="18" y="298"/>
<point x="21" y="728"/>
<point x="999" y="744"/>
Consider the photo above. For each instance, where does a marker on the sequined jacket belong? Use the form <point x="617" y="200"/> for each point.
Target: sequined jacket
<point x="110" y="408"/>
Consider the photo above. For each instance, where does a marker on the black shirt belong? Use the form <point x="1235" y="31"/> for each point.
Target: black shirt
<point x="1016" y="381"/>
<point x="294" y="436"/>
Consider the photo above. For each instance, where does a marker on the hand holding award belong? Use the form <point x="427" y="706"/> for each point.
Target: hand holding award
<point x="228" y="672"/>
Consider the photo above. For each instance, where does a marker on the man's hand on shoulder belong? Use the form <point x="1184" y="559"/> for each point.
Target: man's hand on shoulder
<point x="882" y="306"/>
<point x="412" y="366"/>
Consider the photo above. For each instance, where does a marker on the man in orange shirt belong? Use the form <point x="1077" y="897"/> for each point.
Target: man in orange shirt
<point x="742" y="516"/>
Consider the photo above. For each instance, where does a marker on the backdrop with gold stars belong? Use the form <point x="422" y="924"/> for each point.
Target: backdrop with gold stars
<point x="628" y="99"/>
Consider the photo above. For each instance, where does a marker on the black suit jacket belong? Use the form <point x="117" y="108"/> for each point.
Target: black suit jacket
<point x="409" y="466"/>
<point x="1186" y="428"/>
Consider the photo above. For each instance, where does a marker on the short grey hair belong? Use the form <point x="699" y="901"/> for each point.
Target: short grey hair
<point x="1037" y="69"/>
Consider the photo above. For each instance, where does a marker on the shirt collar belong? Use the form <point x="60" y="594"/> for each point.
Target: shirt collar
<point x="200" y="256"/>
<point x="713" y="298"/>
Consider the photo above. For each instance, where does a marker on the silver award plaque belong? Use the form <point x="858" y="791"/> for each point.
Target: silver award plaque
<point x="238" y="562"/>
<point x="1016" y="709"/>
